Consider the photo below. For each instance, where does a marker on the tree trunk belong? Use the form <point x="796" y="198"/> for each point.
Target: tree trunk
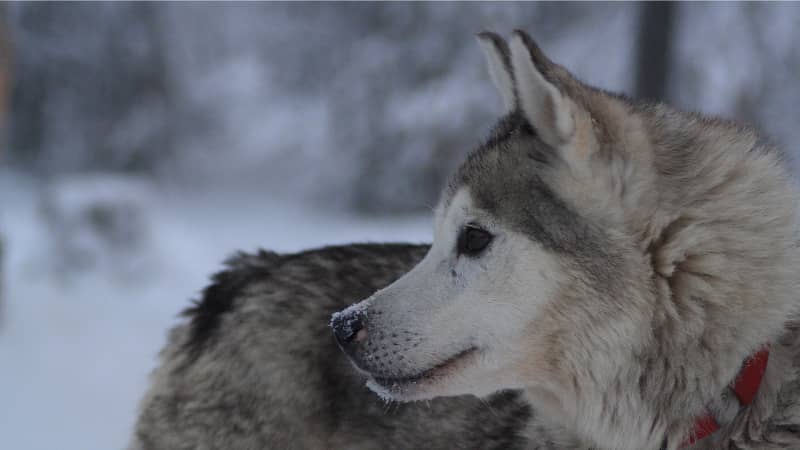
<point x="5" y="88"/>
<point x="654" y="39"/>
<point x="5" y="79"/>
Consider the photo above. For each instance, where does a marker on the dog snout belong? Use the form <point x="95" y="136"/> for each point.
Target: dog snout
<point x="349" y="328"/>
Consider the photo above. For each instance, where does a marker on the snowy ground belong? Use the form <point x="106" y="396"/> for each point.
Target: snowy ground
<point x="77" y="349"/>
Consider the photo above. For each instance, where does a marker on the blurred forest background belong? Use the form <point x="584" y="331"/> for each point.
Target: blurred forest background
<point x="142" y="142"/>
<point x="368" y="106"/>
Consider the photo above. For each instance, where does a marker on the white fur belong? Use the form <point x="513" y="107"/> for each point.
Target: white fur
<point x="549" y="112"/>
<point x="499" y="73"/>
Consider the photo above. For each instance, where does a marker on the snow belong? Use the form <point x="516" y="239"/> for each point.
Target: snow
<point x="77" y="348"/>
<point x="356" y="309"/>
<point x="344" y="94"/>
<point x="97" y="219"/>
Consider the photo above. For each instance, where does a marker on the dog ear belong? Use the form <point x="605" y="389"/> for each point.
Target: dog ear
<point x="498" y="59"/>
<point x="547" y="109"/>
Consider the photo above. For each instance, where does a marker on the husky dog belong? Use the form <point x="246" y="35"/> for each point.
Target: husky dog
<point x="604" y="274"/>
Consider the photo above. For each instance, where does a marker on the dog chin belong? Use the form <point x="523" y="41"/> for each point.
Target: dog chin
<point x="399" y="392"/>
<point x="438" y="381"/>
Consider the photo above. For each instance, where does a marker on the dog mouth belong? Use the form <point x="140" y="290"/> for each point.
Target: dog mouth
<point x="394" y="386"/>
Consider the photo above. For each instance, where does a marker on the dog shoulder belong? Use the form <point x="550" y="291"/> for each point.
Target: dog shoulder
<point x="264" y="313"/>
<point x="219" y="298"/>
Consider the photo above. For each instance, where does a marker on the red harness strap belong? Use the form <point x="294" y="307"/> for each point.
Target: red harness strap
<point x="745" y="386"/>
<point x="749" y="379"/>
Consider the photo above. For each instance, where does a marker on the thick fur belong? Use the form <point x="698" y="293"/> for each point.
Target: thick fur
<point x="639" y="256"/>
<point x="256" y="367"/>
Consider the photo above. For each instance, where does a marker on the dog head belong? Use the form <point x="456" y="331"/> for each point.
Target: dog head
<point x="593" y="252"/>
<point x="512" y="258"/>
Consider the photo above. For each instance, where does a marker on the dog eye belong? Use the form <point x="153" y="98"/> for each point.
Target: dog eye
<point x="473" y="240"/>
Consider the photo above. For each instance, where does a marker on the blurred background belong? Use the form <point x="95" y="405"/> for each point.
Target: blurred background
<point x="141" y="143"/>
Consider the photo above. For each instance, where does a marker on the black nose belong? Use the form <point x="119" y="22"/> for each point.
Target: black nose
<point x="346" y="328"/>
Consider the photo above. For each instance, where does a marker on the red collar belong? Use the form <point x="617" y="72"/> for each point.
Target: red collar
<point x="745" y="386"/>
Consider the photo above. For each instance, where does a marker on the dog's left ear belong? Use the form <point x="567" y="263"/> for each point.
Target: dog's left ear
<point x="548" y="110"/>
<point x="498" y="60"/>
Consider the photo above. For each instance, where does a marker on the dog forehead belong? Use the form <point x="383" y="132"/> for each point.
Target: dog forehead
<point x="506" y="179"/>
<point x="496" y="154"/>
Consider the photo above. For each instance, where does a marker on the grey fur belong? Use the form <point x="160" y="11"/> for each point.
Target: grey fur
<point x="640" y="255"/>
<point x="270" y="375"/>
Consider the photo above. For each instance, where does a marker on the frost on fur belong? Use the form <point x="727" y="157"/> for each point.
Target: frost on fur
<point x="348" y="314"/>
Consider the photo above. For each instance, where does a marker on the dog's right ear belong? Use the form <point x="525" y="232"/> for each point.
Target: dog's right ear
<point x="498" y="59"/>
